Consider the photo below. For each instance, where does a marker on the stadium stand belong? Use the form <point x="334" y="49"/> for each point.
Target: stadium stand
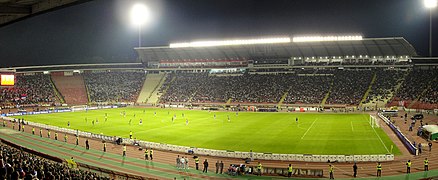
<point x="349" y="86"/>
<point x="71" y="87"/>
<point x="114" y="86"/>
<point x="22" y="165"/>
<point x="29" y="89"/>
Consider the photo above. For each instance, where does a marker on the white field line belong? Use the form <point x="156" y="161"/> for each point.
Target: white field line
<point x="381" y="140"/>
<point x="309" y="128"/>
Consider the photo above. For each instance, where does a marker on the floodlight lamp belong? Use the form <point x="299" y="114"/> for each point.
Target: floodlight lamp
<point x="139" y="14"/>
<point x="430" y="3"/>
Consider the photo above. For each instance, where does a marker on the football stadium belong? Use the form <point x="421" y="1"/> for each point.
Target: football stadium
<point x="258" y="107"/>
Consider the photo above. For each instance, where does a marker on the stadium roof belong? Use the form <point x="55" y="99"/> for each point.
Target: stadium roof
<point x="15" y="10"/>
<point x="379" y="47"/>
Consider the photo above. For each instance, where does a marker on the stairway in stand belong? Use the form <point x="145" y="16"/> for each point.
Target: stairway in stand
<point x="72" y="88"/>
<point x="149" y="91"/>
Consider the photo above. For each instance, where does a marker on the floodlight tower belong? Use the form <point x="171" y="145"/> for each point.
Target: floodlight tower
<point x="139" y="16"/>
<point x="430" y="4"/>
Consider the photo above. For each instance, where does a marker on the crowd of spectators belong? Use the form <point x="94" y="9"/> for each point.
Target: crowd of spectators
<point x="420" y="84"/>
<point x="28" y="89"/>
<point x="301" y="87"/>
<point x="308" y="89"/>
<point x="349" y="86"/>
<point x="16" y="164"/>
<point x="385" y="84"/>
<point x="114" y="86"/>
<point x="202" y="87"/>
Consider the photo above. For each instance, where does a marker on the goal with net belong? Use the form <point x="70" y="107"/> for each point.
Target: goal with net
<point x="374" y="122"/>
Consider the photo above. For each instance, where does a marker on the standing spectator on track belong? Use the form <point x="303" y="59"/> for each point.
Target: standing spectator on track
<point x="77" y="140"/>
<point x="41" y="133"/>
<point x="289" y="170"/>
<point x="259" y="169"/>
<point x="182" y="161"/>
<point x="205" y="166"/>
<point x="354" y="170"/>
<point x="56" y="135"/>
<point x="186" y="162"/>
<point x="331" y="169"/>
<point x="426" y="164"/>
<point x="104" y="146"/>
<point x="146" y="154"/>
<point x="48" y="133"/>
<point x="151" y="152"/>
<point x="124" y="150"/>
<point x="430" y="146"/>
<point x="178" y="162"/>
<point x="379" y="169"/>
<point x="420" y="148"/>
<point x="87" y="146"/>
<point x="197" y="162"/>
<point x="221" y="165"/>
<point x="217" y="167"/>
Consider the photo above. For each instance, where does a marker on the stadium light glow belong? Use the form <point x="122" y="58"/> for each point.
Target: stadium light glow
<point x="139" y="14"/>
<point x="430" y="3"/>
<point x="326" y="38"/>
<point x="230" y="42"/>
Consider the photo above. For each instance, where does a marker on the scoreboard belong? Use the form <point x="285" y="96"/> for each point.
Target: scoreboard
<point x="7" y="79"/>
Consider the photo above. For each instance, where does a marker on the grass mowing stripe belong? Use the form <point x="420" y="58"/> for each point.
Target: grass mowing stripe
<point x="128" y="159"/>
<point x="83" y="155"/>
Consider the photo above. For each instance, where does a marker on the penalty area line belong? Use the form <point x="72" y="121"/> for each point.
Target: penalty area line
<point x="309" y="128"/>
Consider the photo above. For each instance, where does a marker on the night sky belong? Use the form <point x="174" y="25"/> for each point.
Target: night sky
<point x="100" y="31"/>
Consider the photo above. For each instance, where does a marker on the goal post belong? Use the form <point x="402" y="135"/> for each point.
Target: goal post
<point x="79" y="108"/>
<point x="374" y="122"/>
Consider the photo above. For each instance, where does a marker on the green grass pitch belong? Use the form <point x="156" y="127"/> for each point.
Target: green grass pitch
<point x="314" y="133"/>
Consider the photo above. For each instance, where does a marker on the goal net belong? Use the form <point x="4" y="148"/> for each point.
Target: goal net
<point x="79" y="108"/>
<point x="374" y="122"/>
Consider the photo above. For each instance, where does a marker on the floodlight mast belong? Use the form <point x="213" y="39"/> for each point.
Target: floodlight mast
<point x="430" y="4"/>
<point x="139" y="16"/>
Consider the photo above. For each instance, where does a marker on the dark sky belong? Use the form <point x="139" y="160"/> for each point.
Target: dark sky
<point x="99" y="31"/>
